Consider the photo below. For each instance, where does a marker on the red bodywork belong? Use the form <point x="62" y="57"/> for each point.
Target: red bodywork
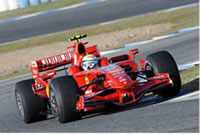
<point x="114" y="80"/>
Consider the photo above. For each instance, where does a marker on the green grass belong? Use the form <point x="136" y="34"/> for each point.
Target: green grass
<point x="38" y="8"/>
<point x="190" y="74"/>
<point x="190" y="79"/>
<point x="180" y="19"/>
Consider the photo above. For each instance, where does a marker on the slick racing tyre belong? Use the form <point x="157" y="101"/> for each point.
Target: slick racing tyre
<point x="29" y="105"/>
<point x="163" y="62"/>
<point x="64" y="93"/>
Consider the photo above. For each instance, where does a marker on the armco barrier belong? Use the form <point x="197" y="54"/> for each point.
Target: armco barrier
<point x="3" y="5"/>
<point x="12" y="4"/>
<point x="23" y="3"/>
<point x="34" y="2"/>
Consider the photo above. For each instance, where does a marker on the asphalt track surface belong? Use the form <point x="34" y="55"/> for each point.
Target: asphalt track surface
<point x="148" y="115"/>
<point x="82" y="16"/>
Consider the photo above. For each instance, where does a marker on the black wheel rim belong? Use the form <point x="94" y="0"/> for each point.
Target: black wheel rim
<point x="20" y="105"/>
<point x="53" y="103"/>
<point x="149" y="70"/>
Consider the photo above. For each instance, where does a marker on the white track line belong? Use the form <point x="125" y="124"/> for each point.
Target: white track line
<point x="188" y="65"/>
<point x="160" y="11"/>
<point x="190" y="96"/>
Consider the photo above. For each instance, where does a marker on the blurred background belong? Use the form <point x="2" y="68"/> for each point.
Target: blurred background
<point x="15" y="4"/>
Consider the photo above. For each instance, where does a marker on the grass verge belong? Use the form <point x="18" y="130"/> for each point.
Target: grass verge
<point x="190" y="79"/>
<point x="15" y="73"/>
<point x="39" y="8"/>
<point x="180" y="19"/>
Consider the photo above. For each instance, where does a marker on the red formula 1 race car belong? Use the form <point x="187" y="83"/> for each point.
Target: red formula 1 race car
<point x="116" y="80"/>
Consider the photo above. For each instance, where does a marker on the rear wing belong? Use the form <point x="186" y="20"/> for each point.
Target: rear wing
<point x="51" y="63"/>
<point x="74" y="57"/>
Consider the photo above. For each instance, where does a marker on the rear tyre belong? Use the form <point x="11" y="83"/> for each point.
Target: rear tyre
<point x="29" y="105"/>
<point x="64" y="93"/>
<point x="163" y="62"/>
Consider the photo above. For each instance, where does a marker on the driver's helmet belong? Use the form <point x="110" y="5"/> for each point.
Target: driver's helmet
<point x="89" y="61"/>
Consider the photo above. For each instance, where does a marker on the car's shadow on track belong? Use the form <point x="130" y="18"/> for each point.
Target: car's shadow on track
<point x="145" y="101"/>
<point x="111" y="109"/>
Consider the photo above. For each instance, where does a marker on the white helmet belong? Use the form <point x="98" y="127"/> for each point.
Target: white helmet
<point x="89" y="61"/>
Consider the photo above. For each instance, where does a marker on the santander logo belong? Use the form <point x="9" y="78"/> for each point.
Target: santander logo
<point x="58" y="59"/>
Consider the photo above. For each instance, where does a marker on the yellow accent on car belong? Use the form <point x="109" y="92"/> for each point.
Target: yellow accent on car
<point x="86" y="79"/>
<point x="47" y="91"/>
<point x="114" y="71"/>
<point x="77" y="36"/>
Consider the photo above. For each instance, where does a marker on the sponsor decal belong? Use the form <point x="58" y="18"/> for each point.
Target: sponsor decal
<point x="118" y="74"/>
<point x="158" y="77"/>
<point x="35" y="71"/>
<point x="108" y="68"/>
<point x="88" y="91"/>
<point x="122" y="80"/>
<point x="90" y="95"/>
<point x="109" y="81"/>
<point x="58" y="59"/>
<point x="34" y="64"/>
<point x="114" y="71"/>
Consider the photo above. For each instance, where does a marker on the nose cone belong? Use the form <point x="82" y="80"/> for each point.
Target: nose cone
<point x="116" y="76"/>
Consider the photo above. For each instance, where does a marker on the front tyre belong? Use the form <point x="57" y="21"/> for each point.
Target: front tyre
<point x="29" y="105"/>
<point x="64" y="93"/>
<point x="163" y="62"/>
